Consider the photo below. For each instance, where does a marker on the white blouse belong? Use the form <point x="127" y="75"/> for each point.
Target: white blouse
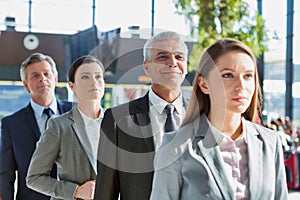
<point x="235" y="157"/>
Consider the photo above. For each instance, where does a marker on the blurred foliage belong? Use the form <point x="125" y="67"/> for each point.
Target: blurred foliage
<point x="211" y="20"/>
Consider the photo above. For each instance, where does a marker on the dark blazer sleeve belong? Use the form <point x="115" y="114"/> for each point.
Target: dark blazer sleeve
<point x="107" y="182"/>
<point x="19" y="134"/>
<point x="7" y="163"/>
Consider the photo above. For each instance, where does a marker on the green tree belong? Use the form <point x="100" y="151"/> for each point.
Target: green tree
<point x="215" y="19"/>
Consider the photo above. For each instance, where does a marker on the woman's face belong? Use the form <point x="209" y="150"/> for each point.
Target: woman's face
<point x="89" y="82"/>
<point x="231" y="84"/>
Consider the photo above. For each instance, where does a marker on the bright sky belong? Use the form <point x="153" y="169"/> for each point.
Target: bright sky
<point x="70" y="16"/>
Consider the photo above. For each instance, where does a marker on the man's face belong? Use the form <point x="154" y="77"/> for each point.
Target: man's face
<point x="168" y="64"/>
<point x="40" y="81"/>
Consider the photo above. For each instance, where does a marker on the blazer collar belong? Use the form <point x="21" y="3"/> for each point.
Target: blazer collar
<point x="81" y="134"/>
<point x="140" y="105"/>
<point x="255" y="157"/>
<point x="30" y="117"/>
<point x="211" y="153"/>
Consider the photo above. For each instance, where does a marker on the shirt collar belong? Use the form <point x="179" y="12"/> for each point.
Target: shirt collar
<point x="219" y="137"/>
<point x="86" y="119"/>
<point x="159" y="104"/>
<point x="38" y="109"/>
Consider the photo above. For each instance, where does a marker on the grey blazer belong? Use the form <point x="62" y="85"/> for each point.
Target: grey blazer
<point x="189" y="165"/>
<point x="64" y="142"/>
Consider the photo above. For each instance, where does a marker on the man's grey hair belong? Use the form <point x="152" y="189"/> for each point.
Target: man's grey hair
<point x="35" y="58"/>
<point x="168" y="35"/>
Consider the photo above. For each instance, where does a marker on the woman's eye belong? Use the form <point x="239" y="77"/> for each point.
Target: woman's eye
<point x="227" y="75"/>
<point x="98" y="77"/>
<point x="84" y="77"/>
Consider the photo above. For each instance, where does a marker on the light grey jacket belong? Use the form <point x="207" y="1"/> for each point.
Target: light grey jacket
<point x="64" y="142"/>
<point x="189" y="165"/>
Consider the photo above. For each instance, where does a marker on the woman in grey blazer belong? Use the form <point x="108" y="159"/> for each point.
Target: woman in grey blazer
<point x="71" y="140"/>
<point x="219" y="152"/>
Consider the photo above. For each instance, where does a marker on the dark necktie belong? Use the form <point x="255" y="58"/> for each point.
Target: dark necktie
<point x="49" y="113"/>
<point x="170" y="122"/>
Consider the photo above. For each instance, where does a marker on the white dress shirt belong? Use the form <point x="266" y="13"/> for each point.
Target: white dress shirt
<point x="92" y="128"/>
<point x="158" y="115"/>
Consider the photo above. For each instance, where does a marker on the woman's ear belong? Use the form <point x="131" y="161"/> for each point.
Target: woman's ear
<point x="71" y="85"/>
<point x="203" y="85"/>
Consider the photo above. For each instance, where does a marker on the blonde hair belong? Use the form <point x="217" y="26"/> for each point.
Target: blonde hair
<point x="200" y="102"/>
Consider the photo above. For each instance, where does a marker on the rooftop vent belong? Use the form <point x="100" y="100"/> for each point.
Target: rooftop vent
<point x="10" y="23"/>
<point x="134" y="31"/>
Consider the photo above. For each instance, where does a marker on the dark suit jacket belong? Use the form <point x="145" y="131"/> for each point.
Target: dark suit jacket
<point x="126" y="152"/>
<point x="19" y="134"/>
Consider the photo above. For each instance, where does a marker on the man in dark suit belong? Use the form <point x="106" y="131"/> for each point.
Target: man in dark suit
<point x="21" y="130"/>
<point x="130" y="133"/>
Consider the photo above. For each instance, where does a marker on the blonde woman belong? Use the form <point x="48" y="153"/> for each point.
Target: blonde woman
<point x="219" y="153"/>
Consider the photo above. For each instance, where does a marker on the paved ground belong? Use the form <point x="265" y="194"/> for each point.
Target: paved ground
<point x="294" y="195"/>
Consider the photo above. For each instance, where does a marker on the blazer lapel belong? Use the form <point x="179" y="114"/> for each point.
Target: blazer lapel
<point x="140" y="114"/>
<point x="31" y="120"/>
<point x="140" y="111"/>
<point x="146" y="131"/>
<point x="211" y="153"/>
<point x="82" y="136"/>
<point x="255" y="157"/>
